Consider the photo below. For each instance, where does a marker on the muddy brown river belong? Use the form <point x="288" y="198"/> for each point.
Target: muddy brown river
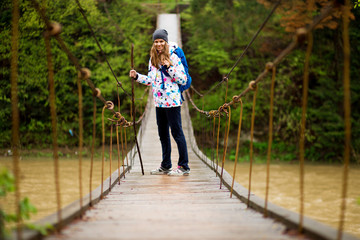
<point x="322" y="186"/>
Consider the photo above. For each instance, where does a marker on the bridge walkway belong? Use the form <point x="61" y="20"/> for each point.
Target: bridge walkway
<point x="170" y="207"/>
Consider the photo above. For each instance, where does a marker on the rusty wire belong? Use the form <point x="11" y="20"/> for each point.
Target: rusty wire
<point x="103" y="151"/>
<point x="82" y="11"/>
<point x="50" y="26"/>
<point x="53" y="124"/>
<point x="298" y="39"/>
<point x="268" y="158"/>
<point x="133" y="109"/>
<point x="226" y="78"/>
<point x="347" y="114"/>
<point x="251" y="143"/>
<point x="237" y="146"/>
<point x="15" y="135"/>
<point x="122" y="149"/>
<point x="92" y="147"/>
<point x="217" y="146"/>
<point x="303" y="127"/>
<point x="110" y="153"/>
<point x="81" y="127"/>
<point x="226" y="138"/>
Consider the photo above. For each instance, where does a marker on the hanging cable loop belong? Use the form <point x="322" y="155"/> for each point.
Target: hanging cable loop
<point x="97" y="92"/>
<point x="117" y="115"/>
<point x="84" y="73"/>
<point x="109" y="105"/>
<point x="54" y="28"/>
<point x="269" y="66"/>
<point x="252" y="85"/>
<point x="301" y="35"/>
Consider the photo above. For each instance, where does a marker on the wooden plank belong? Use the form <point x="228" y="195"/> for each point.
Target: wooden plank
<point x="169" y="207"/>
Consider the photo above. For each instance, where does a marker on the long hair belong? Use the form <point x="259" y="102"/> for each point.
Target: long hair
<point x="156" y="58"/>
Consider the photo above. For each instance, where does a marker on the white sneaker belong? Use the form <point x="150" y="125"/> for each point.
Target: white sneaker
<point x="160" y="171"/>
<point x="180" y="171"/>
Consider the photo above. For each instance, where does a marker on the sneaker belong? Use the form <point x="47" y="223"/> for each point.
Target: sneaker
<point x="160" y="171"/>
<point x="180" y="171"/>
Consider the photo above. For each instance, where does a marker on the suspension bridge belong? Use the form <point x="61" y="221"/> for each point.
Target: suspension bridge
<point x="208" y="204"/>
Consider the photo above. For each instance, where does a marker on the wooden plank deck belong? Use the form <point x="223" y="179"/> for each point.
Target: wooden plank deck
<point x="170" y="207"/>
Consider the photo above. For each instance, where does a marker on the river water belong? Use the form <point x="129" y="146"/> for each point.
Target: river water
<point x="322" y="186"/>
<point x="322" y="191"/>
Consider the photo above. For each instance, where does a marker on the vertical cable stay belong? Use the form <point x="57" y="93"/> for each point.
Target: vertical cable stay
<point x="268" y="159"/>
<point x="118" y="150"/>
<point x="237" y="146"/>
<point x="15" y="115"/>
<point x="226" y="138"/>
<point x="133" y="109"/>
<point x="217" y="146"/>
<point x="303" y="127"/>
<point x="254" y="87"/>
<point x="92" y="147"/>
<point x="347" y="114"/>
<point x="80" y="77"/>
<point x="103" y="151"/>
<point x="110" y="155"/>
<point x="53" y="124"/>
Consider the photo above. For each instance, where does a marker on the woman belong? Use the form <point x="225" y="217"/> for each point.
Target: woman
<point x="165" y="74"/>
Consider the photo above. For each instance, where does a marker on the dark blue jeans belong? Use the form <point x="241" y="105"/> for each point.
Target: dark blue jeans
<point x="171" y="117"/>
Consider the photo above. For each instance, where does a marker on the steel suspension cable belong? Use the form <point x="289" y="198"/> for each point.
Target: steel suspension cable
<point x="246" y="48"/>
<point x="347" y="113"/>
<point x="298" y="39"/>
<point x="110" y="154"/>
<point x="85" y="72"/>
<point x="92" y="147"/>
<point x="217" y="145"/>
<point x="103" y="151"/>
<point x="252" y="140"/>
<point x="237" y="147"/>
<point x="53" y="124"/>
<point x="303" y="127"/>
<point x="226" y="138"/>
<point x="15" y="115"/>
<point x="122" y="150"/>
<point x="118" y="150"/>
<point x="82" y="11"/>
<point x="133" y="108"/>
<point x="81" y="127"/>
<point x="126" y="148"/>
<point x="268" y="157"/>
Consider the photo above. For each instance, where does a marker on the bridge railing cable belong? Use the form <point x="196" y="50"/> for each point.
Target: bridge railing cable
<point x="54" y="30"/>
<point x="301" y="36"/>
<point x="82" y="11"/>
<point x="226" y="78"/>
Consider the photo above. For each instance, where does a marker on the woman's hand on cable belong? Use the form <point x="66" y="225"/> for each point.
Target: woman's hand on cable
<point x="132" y="73"/>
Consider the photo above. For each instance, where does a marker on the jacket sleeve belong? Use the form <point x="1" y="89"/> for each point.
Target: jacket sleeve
<point x="177" y="71"/>
<point x="147" y="80"/>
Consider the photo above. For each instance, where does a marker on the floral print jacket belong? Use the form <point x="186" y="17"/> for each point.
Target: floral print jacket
<point x="164" y="81"/>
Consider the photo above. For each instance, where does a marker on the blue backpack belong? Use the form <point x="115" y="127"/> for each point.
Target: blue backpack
<point x="180" y="53"/>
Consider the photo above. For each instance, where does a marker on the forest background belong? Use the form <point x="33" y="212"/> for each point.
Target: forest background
<point x="214" y="34"/>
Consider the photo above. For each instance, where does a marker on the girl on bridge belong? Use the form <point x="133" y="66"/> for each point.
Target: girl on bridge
<point x="166" y="73"/>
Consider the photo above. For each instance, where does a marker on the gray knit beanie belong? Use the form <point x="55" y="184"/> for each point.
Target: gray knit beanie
<point x="160" y="34"/>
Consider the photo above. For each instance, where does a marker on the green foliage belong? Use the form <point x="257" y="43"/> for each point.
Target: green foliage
<point x="6" y="182"/>
<point x="215" y="35"/>
<point x="116" y="25"/>
<point x="7" y="185"/>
